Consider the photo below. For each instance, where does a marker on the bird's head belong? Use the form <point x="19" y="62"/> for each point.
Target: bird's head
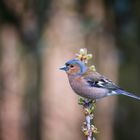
<point x="74" y="67"/>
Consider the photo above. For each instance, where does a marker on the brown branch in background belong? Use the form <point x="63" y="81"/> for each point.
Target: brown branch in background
<point x="11" y="104"/>
<point x="61" y="118"/>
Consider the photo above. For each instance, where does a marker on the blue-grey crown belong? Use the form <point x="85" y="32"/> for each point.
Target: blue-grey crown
<point x="83" y="67"/>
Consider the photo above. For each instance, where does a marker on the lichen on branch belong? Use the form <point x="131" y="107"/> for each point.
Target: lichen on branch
<point x="88" y="128"/>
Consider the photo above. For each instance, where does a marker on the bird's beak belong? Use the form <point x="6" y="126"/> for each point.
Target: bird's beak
<point x="64" y="68"/>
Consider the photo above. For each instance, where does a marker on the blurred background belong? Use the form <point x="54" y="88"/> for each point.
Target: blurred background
<point x="39" y="36"/>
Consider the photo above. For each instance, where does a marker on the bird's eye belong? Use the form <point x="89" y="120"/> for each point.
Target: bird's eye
<point x="71" y="66"/>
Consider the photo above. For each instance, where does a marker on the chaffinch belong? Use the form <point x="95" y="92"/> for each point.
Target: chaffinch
<point x="91" y="84"/>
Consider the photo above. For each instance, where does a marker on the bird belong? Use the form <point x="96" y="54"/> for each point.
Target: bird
<point x="91" y="84"/>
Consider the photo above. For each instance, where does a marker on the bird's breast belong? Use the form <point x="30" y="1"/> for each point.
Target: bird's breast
<point x="77" y="83"/>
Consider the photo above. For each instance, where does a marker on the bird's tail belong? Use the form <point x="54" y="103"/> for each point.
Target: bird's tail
<point x="120" y="91"/>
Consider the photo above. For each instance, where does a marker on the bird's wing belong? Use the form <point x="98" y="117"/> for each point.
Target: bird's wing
<point x="97" y="80"/>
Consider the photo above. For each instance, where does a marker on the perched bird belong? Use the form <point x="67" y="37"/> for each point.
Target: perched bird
<point x="91" y="84"/>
